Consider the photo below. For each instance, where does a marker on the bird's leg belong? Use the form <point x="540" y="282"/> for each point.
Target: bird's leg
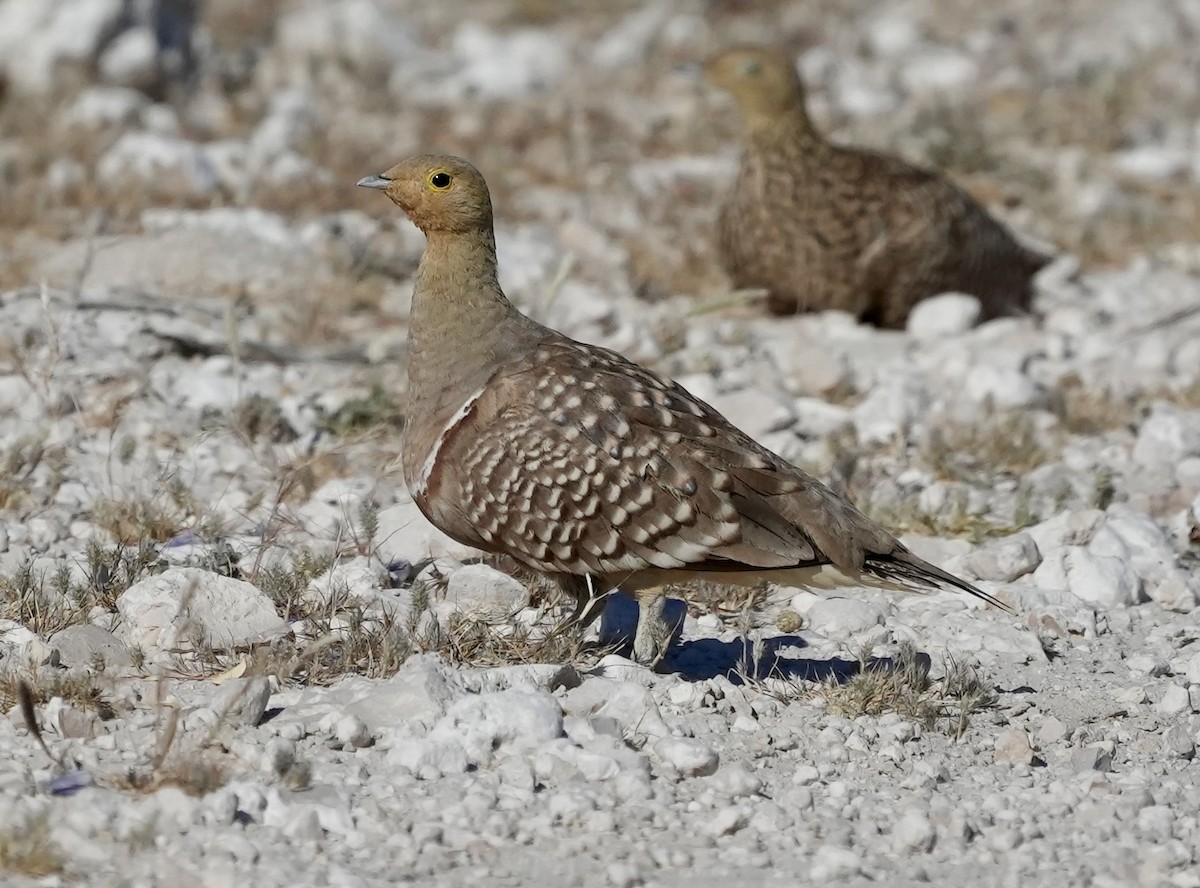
<point x="589" y="603"/>
<point x="653" y="634"/>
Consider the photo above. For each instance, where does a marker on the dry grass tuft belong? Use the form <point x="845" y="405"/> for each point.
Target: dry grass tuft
<point x="900" y="685"/>
<point x="1004" y="441"/>
<point x="29" y="849"/>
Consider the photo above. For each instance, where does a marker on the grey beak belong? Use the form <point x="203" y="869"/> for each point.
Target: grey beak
<point x="373" y="182"/>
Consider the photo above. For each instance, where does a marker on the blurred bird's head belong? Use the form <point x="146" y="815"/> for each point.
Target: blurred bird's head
<point x="438" y="192"/>
<point x="763" y="81"/>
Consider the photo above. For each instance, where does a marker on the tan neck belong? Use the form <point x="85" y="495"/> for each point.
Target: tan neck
<point x="458" y="309"/>
<point x="793" y="124"/>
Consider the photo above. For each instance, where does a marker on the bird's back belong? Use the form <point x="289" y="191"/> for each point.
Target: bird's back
<point x="864" y="232"/>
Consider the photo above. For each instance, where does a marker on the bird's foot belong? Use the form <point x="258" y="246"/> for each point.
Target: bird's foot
<point x="653" y="635"/>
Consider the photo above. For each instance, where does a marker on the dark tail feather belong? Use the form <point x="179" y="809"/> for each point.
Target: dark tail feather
<point x="907" y="568"/>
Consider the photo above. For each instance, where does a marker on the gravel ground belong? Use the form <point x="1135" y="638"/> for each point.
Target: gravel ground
<point x="207" y="557"/>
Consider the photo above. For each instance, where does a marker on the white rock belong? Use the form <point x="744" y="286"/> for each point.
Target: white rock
<point x="507" y="66"/>
<point x="844" y="616"/>
<point x="1174" y="701"/>
<point x="168" y="164"/>
<point x="1012" y="747"/>
<point x="805" y="775"/>
<point x="889" y="407"/>
<point x="1073" y="528"/>
<point x="429" y="759"/>
<point x="892" y="34"/>
<point x="351" y="732"/>
<point x="131" y="59"/>
<point x="688" y="758"/>
<point x="630" y="704"/>
<point x="101" y="106"/>
<point x="941" y="317"/>
<point x="404" y="533"/>
<point x="832" y="863"/>
<point x="913" y="832"/>
<point x="807" y="365"/>
<point x="1005" y="387"/>
<point x="936" y="69"/>
<point x="326" y="807"/>
<point x="818" y="419"/>
<point x="357" y="580"/>
<point x="1166" y="436"/>
<point x="1005" y="560"/>
<point x="726" y="822"/>
<point x="165" y="613"/>
<point x="21" y="645"/>
<point x="353" y="35"/>
<point x="1176" y="742"/>
<point x="1155" y="163"/>
<point x="754" y="411"/>
<point x="1193" y="669"/>
<point x="485" y="724"/>
<point x="83" y="645"/>
<point x="1096" y="757"/>
<point x="290" y="120"/>
<point x="243" y="223"/>
<point x="36" y="36"/>
<point x="1101" y="581"/>
<point x="481" y="590"/>
<point x="1178" y="591"/>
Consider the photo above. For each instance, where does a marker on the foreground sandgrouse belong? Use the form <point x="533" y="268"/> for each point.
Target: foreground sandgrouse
<point x="579" y="463"/>
<point x="821" y="226"/>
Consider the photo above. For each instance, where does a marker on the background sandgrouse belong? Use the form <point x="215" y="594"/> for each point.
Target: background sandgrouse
<point x="822" y="226"/>
<point x="581" y="464"/>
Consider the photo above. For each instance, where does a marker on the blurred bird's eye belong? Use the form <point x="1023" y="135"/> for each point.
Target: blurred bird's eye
<point x="440" y="180"/>
<point x="751" y="67"/>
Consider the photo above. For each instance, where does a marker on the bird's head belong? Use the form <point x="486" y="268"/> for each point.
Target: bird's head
<point x="438" y="192"/>
<point x="762" y="81"/>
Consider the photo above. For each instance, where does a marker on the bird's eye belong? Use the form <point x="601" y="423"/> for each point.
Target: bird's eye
<point x="440" y="180"/>
<point x="751" y="67"/>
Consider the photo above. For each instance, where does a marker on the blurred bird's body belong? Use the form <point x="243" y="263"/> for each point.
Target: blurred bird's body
<point x="822" y="226"/>
<point x="584" y="466"/>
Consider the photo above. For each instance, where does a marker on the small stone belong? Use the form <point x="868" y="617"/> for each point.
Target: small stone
<point x="1178" y="743"/>
<point x="87" y="646"/>
<point x="1051" y="731"/>
<point x="1193" y="669"/>
<point x="831" y="863"/>
<point x="1174" y="700"/>
<point x="1091" y="758"/>
<point x="1006" y="560"/>
<point x="939" y="317"/>
<point x="131" y="59"/>
<point x="805" y="775"/>
<point x="844" y="616"/>
<point x="913" y="832"/>
<point x="1012" y="747"/>
<point x="351" y="732"/>
<point x="1148" y="664"/>
<point x="170" y="611"/>
<point x="726" y="822"/>
<point x="624" y="875"/>
<point x="481" y="590"/>
<point x="689" y="758"/>
<point x="1101" y="580"/>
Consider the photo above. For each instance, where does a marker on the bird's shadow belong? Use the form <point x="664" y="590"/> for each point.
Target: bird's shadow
<point x="741" y="661"/>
